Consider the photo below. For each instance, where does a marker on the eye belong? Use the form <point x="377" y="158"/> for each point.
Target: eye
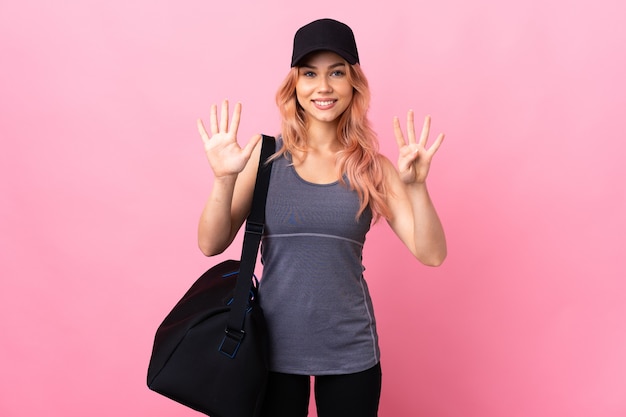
<point x="308" y="74"/>
<point x="337" y="73"/>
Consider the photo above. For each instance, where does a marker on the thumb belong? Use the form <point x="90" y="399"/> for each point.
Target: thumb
<point x="410" y="152"/>
<point x="252" y="143"/>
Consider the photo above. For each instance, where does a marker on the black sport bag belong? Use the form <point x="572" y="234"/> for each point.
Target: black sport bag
<point x="211" y="351"/>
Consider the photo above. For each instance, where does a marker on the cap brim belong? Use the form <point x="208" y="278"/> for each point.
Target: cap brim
<point x="351" y="59"/>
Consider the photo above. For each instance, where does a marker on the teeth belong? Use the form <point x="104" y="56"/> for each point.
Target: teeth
<point x="325" y="103"/>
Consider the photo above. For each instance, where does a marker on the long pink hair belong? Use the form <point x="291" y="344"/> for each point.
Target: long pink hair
<point x="359" y="159"/>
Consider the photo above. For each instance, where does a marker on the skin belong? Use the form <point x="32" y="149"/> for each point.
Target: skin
<point x="324" y="92"/>
<point x="322" y="79"/>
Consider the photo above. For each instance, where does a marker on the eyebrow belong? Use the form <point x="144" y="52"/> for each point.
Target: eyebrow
<point x="338" y="64"/>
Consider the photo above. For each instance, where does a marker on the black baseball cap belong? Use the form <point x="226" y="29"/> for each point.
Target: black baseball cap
<point x="325" y="35"/>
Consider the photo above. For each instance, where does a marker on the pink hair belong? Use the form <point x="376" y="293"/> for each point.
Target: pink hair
<point x="359" y="159"/>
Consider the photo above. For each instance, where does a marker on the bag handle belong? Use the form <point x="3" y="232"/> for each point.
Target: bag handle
<point x="255" y="225"/>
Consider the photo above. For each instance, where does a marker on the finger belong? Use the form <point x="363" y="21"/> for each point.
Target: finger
<point x="435" y="146"/>
<point x="202" y="130"/>
<point x="224" y="117"/>
<point x="249" y="148"/>
<point x="234" y="124"/>
<point x="410" y="152"/>
<point x="425" y="131"/>
<point x="410" y="126"/>
<point x="397" y="130"/>
<point x="214" y="129"/>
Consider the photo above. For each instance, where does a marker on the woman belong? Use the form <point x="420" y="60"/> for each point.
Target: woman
<point x="328" y="184"/>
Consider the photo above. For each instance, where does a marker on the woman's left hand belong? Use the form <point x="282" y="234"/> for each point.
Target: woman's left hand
<point x="414" y="159"/>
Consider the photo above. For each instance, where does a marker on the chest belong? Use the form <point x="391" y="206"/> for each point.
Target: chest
<point x="317" y="170"/>
<point x="295" y="205"/>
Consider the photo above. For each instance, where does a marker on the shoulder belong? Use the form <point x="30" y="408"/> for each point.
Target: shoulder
<point x="384" y="162"/>
<point x="388" y="168"/>
<point x="392" y="184"/>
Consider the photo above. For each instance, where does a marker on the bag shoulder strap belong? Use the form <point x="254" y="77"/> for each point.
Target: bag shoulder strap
<point x="255" y="225"/>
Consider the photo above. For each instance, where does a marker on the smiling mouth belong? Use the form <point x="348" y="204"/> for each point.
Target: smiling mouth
<point x="324" y="103"/>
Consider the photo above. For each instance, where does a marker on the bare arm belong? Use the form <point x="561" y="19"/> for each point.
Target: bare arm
<point x="234" y="172"/>
<point x="414" y="218"/>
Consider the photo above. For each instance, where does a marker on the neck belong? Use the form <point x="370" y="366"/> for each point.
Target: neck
<point x="323" y="137"/>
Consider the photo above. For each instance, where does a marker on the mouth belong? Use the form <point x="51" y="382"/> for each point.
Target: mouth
<point x="324" y="103"/>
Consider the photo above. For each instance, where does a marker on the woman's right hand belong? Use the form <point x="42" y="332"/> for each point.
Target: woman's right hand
<point x="225" y="155"/>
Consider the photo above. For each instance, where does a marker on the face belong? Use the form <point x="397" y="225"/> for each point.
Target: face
<point x="323" y="89"/>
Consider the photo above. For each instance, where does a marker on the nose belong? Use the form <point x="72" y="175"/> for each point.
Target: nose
<point x="325" y="85"/>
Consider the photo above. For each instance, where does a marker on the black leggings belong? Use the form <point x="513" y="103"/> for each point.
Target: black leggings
<point x="351" y="395"/>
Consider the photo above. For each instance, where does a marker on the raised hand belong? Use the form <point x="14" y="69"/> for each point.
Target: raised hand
<point x="225" y="155"/>
<point x="414" y="159"/>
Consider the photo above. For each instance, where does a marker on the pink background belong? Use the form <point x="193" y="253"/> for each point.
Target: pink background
<point x="103" y="178"/>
